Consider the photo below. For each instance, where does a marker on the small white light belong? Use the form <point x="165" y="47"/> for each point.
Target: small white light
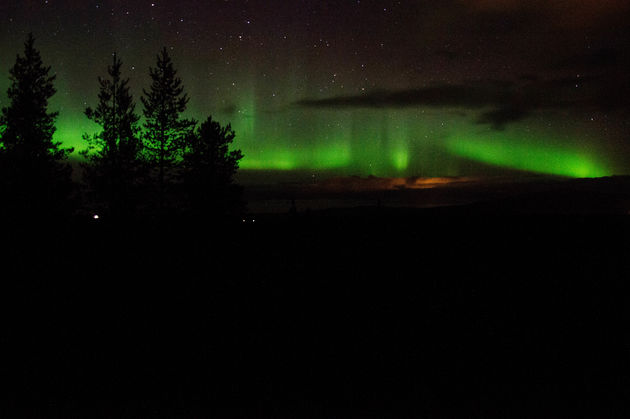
<point x="95" y="216"/>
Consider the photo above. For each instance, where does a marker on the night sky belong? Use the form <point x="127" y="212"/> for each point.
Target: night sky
<point x="384" y="88"/>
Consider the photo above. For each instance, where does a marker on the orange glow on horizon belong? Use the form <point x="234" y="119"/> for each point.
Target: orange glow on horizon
<point x="378" y="183"/>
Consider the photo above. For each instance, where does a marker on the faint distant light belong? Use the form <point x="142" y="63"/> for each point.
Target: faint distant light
<point x="95" y="216"/>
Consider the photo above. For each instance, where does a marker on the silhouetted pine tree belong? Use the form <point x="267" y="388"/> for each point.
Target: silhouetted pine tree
<point x="209" y="167"/>
<point x="165" y="130"/>
<point x="34" y="174"/>
<point x="115" y="164"/>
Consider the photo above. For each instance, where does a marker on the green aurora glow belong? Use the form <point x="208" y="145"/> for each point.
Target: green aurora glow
<point x="360" y="142"/>
<point x="364" y="142"/>
<point x="256" y="66"/>
<point x="532" y="157"/>
<point x="380" y="142"/>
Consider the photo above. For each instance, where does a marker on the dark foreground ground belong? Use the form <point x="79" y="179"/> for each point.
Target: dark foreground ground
<point x="365" y="312"/>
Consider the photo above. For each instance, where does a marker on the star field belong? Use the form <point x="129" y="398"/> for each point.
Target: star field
<point x="387" y="88"/>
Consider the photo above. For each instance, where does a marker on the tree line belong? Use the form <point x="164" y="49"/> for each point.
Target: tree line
<point x="165" y="165"/>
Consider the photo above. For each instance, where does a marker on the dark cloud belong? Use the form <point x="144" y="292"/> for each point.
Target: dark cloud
<point x="529" y="77"/>
<point x="476" y="95"/>
<point x="230" y="109"/>
<point x="493" y="23"/>
<point x="603" y="57"/>
<point x="500" y="117"/>
<point x="500" y="102"/>
<point x="446" y="54"/>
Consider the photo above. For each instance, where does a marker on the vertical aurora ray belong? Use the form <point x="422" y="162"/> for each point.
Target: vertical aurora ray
<point x="399" y="148"/>
<point x="409" y="143"/>
<point x="400" y="157"/>
<point x="362" y="142"/>
<point x="380" y="142"/>
<point x="275" y="79"/>
<point x="276" y="134"/>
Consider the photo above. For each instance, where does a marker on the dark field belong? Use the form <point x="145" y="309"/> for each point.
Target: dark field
<point x="469" y="312"/>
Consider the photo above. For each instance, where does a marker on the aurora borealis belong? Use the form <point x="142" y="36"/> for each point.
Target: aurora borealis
<point x="384" y="88"/>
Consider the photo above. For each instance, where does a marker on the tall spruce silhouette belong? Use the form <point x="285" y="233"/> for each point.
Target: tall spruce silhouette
<point x="209" y="167"/>
<point x="115" y="164"/>
<point x="165" y="129"/>
<point x="34" y="174"/>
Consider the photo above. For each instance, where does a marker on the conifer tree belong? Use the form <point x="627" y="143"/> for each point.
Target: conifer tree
<point x="34" y="174"/>
<point x="114" y="156"/>
<point x="165" y="129"/>
<point x="209" y="168"/>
